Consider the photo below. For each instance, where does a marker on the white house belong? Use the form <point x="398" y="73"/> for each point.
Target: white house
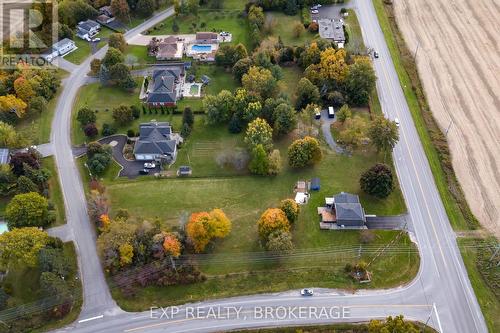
<point x="87" y="29"/>
<point x="64" y="46"/>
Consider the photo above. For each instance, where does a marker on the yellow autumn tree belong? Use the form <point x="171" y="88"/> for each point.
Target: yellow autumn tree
<point x="24" y="89"/>
<point x="272" y="220"/>
<point x="332" y="67"/>
<point x="126" y="254"/>
<point x="205" y="226"/>
<point x="10" y="103"/>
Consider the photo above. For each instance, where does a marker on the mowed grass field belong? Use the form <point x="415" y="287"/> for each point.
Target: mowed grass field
<point x="237" y="264"/>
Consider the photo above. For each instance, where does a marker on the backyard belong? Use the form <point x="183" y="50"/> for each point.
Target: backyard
<point x="89" y="96"/>
<point x="283" y="27"/>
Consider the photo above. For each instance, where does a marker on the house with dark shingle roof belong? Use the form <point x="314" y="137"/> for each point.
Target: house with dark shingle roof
<point x="156" y="142"/>
<point x="87" y="29"/>
<point x="344" y="210"/>
<point x="165" y="86"/>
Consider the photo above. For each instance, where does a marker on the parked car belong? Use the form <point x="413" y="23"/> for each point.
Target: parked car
<point x="314" y="11"/>
<point x="314" y="7"/>
<point x="98" y="39"/>
<point x="331" y="112"/>
<point x="151" y="165"/>
<point x="396" y="120"/>
<point x="317" y="115"/>
<point x="307" y="292"/>
<point x="375" y="54"/>
<point x="144" y="172"/>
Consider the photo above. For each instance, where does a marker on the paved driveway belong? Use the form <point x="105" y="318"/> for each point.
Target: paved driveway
<point x="397" y="222"/>
<point x="326" y="124"/>
<point x="130" y="169"/>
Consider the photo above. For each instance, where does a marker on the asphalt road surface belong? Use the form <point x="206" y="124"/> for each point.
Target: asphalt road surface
<point x="440" y="295"/>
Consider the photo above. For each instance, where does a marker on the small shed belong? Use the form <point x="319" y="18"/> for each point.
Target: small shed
<point x="301" y="198"/>
<point x="315" y="185"/>
<point x="184" y="171"/>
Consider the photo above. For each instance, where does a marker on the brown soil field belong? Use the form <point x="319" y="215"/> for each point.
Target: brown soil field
<point x="459" y="64"/>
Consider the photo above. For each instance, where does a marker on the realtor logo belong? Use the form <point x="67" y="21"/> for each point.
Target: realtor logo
<point x="27" y="29"/>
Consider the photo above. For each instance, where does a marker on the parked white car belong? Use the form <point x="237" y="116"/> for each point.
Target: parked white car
<point x="151" y="165"/>
<point x="396" y="120"/>
<point x="314" y="11"/>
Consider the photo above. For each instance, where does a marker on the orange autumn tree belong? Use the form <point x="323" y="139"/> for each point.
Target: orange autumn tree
<point x="272" y="220"/>
<point x="205" y="226"/>
<point x="171" y="245"/>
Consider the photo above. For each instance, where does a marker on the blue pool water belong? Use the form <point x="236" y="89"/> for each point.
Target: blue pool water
<point x="202" y="48"/>
<point x="3" y="227"/>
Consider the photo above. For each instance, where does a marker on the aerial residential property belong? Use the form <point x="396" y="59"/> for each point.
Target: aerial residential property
<point x="250" y="166"/>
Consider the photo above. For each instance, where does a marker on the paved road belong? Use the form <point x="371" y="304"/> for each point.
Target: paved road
<point x="97" y="298"/>
<point x="441" y="280"/>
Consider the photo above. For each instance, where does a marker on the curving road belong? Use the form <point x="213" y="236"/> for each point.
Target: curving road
<point x="96" y="296"/>
<point x="441" y="294"/>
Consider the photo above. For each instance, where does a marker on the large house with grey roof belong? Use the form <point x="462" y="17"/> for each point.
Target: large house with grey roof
<point x="342" y="211"/>
<point x="332" y="29"/>
<point x="156" y="142"/>
<point x="165" y="86"/>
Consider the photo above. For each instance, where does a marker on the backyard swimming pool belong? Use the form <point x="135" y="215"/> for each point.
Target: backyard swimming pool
<point x="3" y="227"/>
<point x="201" y="48"/>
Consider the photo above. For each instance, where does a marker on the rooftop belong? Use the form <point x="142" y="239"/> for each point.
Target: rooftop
<point x="331" y="29"/>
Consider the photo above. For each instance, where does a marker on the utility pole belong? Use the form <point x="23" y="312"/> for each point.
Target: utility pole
<point x="448" y="129"/>
<point x="416" y="51"/>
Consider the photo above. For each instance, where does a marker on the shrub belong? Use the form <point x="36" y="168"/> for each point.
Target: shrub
<point x="90" y="130"/>
<point x="291" y="209"/>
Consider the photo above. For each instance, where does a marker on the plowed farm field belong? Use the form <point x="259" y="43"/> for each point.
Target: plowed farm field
<point x="459" y="65"/>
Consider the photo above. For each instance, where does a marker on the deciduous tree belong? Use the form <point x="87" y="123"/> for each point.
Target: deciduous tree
<point x="21" y="246"/>
<point x="117" y="41"/>
<point x="360" y="81"/>
<point x="304" y="152"/>
<point x="259" y="81"/>
<point x="291" y="209"/>
<point x="122" y="115"/>
<point x="272" y="220"/>
<point x="306" y="93"/>
<point x="280" y="242"/>
<point x="10" y="103"/>
<point x="377" y="181"/>
<point x="259" y="132"/>
<point x="259" y="164"/>
<point x="383" y="133"/>
<point x="285" y="119"/>
<point x="86" y="116"/>
<point x="27" y="210"/>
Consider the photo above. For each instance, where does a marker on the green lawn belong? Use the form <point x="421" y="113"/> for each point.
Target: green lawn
<point x="288" y="84"/>
<point x="91" y="96"/>
<point x="457" y="219"/>
<point x="485" y="293"/>
<point x="208" y="20"/>
<point x="24" y="286"/>
<point x="244" y="197"/>
<point x="284" y="28"/>
<point x="37" y="127"/>
<point x="137" y="55"/>
<point x="55" y="193"/>
<point x="353" y="28"/>
<point x="84" y="50"/>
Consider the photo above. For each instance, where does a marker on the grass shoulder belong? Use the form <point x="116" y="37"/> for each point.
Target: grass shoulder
<point x="484" y="276"/>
